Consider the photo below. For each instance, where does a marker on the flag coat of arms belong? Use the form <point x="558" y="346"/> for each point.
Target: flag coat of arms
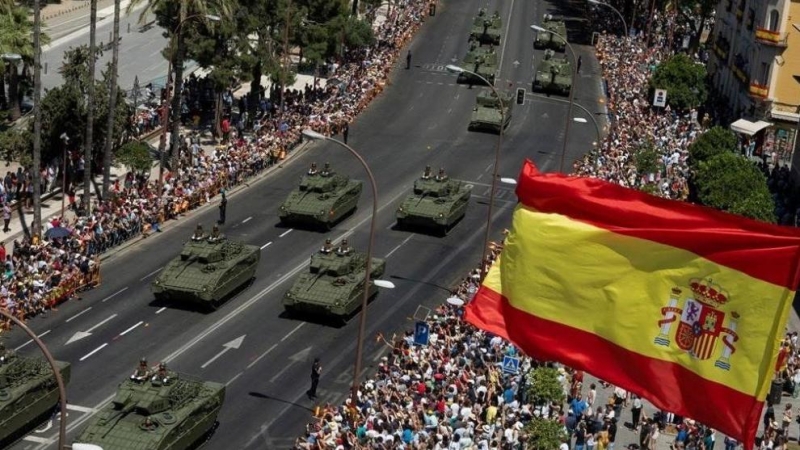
<point x="681" y="304"/>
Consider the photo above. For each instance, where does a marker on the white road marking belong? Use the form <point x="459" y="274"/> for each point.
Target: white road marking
<point x="286" y="232"/>
<point x="131" y="328"/>
<point x="488" y="167"/>
<point x="266" y="245"/>
<point x="233" y="379"/>
<point x="101" y="323"/>
<point x="292" y="332"/>
<point x="94" y="351"/>
<point x="31" y="340"/>
<point x="82" y="409"/>
<point x="78" y="315"/>
<point x="505" y="38"/>
<point x="115" y="294"/>
<point x="247" y="220"/>
<point x="37" y="439"/>
<point x="150" y="274"/>
<point x="399" y="245"/>
<point x="161" y="310"/>
<point x="262" y="356"/>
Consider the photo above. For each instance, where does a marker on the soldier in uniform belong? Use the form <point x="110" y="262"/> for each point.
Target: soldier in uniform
<point x="162" y="374"/>
<point x="343" y="249"/>
<point x="5" y="354"/>
<point x="313" y="169"/>
<point x="326" y="249"/>
<point x="441" y="176"/>
<point x="427" y="174"/>
<point x="199" y="234"/>
<point x="148" y="424"/>
<point x="215" y="235"/>
<point x="142" y="372"/>
<point x="326" y="171"/>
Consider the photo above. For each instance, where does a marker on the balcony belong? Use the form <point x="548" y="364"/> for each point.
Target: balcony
<point x="722" y="47"/>
<point x="758" y="91"/>
<point x="740" y="74"/>
<point x="740" y="69"/>
<point x="773" y="38"/>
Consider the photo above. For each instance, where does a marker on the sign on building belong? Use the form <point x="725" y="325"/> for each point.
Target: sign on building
<point x="660" y="98"/>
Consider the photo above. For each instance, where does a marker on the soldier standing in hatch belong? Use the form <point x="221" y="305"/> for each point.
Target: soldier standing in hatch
<point x="316" y="370"/>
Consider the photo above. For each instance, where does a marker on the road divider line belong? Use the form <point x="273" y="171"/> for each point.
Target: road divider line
<point x="31" y="340"/>
<point x="399" y="245"/>
<point x="78" y="315"/>
<point x="150" y="274"/>
<point x="292" y="332"/>
<point x="233" y="379"/>
<point x="115" y="294"/>
<point x="286" y="232"/>
<point x="262" y="356"/>
<point x="266" y="245"/>
<point x="131" y="328"/>
<point x="86" y="356"/>
<point x="82" y="409"/>
<point x="161" y="310"/>
<point x="37" y="439"/>
<point x="247" y="220"/>
<point x="101" y="323"/>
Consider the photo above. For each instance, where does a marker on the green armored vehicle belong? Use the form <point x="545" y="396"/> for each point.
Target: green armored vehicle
<point x="480" y="60"/>
<point x="156" y="410"/>
<point x="549" y="40"/>
<point x="543" y="79"/>
<point x="208" y="269"/>
<point x="28" y="393"/>
<point x="322" y="199"/>
<point x="485" y="29"/>
<point x="562" y="76"/>
<point x="487" y="114"/>
<point x="334" y="283"/>
<point x="437" y="202"/>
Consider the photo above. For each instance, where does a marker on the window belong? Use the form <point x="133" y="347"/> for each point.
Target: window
<point x="763" y="75"/>
<point x="774" y="20"/>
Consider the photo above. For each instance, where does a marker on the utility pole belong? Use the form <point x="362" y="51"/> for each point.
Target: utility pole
<point x="175" y="107"/>
<point x="37" y="120"/>
<point x="285" y="72"/>
<point x="88" y="144"/>
<point x="112" y="103"/>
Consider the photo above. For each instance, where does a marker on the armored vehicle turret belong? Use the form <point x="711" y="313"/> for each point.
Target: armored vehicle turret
<point x="208" y="269"/>
<point x="487" y="115"/>
<point x="486" y="29"/>
<point x="480" y="60"/>
<point x="437" y="202"/>
<point x="322" y="199"/>
<point x="334" y="284"/>
<point x="562" y="76"/>
<point x="543" y="79"/>
<point x="28" y="393"/>
<point x="549" y="40"/>
<point x="156" y="410"/>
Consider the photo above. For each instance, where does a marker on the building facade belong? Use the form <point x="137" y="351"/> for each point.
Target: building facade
<point x="754" y="65"/>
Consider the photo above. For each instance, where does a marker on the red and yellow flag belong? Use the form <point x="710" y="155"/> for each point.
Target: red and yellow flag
<point x="680" y="304"/>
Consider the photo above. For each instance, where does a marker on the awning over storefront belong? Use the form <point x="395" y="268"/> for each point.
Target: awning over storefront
<point x="744" y="126"/>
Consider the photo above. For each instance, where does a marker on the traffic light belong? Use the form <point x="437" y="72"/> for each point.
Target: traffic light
<point x="520" y="96"/>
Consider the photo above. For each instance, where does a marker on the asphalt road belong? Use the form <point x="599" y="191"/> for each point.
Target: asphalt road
<point x="139" y="52"/>
<point x="421" y="119"/>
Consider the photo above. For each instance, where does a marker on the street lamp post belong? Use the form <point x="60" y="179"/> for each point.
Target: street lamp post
<point x="362" y="324"/>
<point x="457" y="70"/>
<point x="539" y="29"/>
<point x="162" y="146"/>
<point x="65" y="140"/>
<point x="624" y="24"/>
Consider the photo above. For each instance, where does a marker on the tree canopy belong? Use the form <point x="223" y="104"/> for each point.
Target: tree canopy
<point x="713" y="142"/>
<point x="544" y="386"/>
<point x="545" y="434"/>
<point x="684" y="81"/>
<point x="730" y="182"/>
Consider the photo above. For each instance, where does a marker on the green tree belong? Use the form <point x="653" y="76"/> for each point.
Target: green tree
<point x="135" y="156"/>
<point x="545" y="434"/>
<point x="684" y="81"/>
<point x="732" y="183"/>
<point x="16" y="28"/>
<point x="544" y="386"/>
<point x="713" y="142"/>
<point x="694" y="13"/>
<point x="112" y="102"/>
<point x="646" y="159"/>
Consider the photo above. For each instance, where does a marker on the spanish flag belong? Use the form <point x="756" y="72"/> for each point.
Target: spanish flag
<point x="680" y="304"/>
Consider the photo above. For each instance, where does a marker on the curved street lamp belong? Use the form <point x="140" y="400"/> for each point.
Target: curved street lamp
<point x="539" y="29"/>
<point x="362" y="324"/>
<point x="485" y="251"/>
<point x="162" y="146"/>
<point x="624" y="24"/>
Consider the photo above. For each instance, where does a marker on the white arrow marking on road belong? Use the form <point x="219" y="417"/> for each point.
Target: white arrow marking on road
<point x="300" y="356"/>
<point x="545" y="116"/>
<point x="234" y="344"/>
<point x="84" y="334"/>
<point x="516" y="64"/>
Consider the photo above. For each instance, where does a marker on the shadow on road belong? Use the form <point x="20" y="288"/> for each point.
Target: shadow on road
<point x="279" y="400"/>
